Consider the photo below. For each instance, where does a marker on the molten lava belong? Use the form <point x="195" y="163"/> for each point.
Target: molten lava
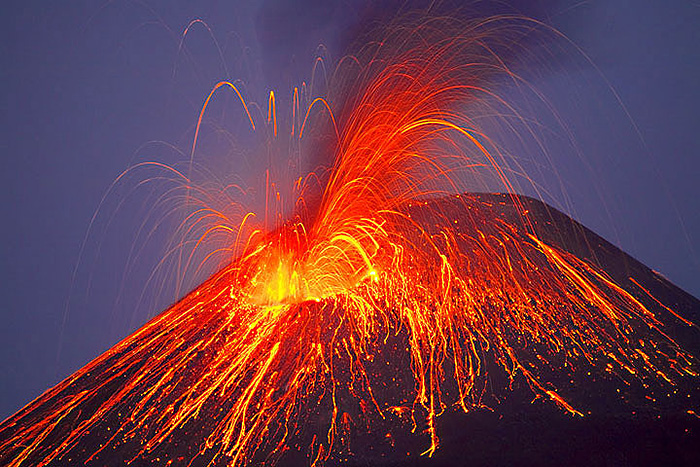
<point x="377" y="308"/>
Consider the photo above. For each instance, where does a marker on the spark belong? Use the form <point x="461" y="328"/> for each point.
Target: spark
<point x="377" y="266"/>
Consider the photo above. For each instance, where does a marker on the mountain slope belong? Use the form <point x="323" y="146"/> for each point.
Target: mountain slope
<point x="183" y="389"/>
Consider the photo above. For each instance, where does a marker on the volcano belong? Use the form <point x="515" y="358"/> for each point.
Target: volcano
<point x="184" y="389"/>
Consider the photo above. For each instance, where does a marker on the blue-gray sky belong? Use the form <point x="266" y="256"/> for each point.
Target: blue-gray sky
<point x="85" y="85"/>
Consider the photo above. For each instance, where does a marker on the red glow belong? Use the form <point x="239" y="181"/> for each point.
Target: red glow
<point x="303" y="312"/>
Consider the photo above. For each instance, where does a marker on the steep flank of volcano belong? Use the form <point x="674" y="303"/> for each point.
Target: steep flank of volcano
<point x="556" y="228"/>
<point x="215" y="380"/>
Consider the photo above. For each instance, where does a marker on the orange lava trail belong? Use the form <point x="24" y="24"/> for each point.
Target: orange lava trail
<point x="303" y="317"/>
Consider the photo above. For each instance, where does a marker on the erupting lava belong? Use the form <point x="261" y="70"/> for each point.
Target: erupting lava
<point x="385" y="300"/>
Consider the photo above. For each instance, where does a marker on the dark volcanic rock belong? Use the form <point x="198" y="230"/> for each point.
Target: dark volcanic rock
<point x="621" y="428"/>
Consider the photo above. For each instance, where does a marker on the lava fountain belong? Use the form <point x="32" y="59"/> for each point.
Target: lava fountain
<point x="373" y="307"/>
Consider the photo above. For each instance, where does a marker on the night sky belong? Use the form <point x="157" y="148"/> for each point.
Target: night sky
<point x="90" y="88"/>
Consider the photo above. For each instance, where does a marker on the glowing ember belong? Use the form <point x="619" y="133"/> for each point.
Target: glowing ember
<point x="313" y="312"/>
